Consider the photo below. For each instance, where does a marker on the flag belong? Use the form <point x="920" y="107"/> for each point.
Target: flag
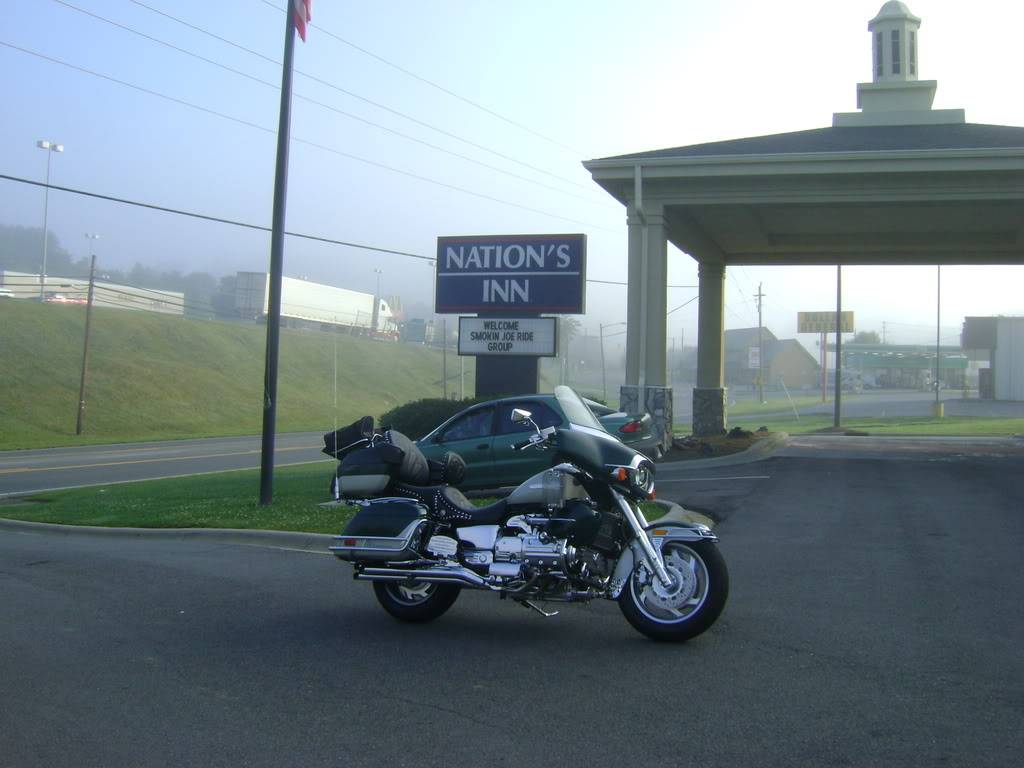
<point x="302" y="10"/>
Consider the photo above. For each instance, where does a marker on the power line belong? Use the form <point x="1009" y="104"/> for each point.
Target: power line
<point x="323" y="105"/>
<point x="216" y="219"/>
<point x="298" y="140"/>
<point x="247" y="225"/>
<point x="622" y="282"/>
<point x="432" y="84"/>
<point x="366" y="100"/>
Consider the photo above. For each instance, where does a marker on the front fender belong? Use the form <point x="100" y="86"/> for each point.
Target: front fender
<point x="658" y="534"/>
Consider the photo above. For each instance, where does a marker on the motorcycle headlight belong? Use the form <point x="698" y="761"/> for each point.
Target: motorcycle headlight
<point x="642" y="479"/>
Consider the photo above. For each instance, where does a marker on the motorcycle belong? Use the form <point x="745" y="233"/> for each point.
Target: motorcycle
<point x="572" y="533"/>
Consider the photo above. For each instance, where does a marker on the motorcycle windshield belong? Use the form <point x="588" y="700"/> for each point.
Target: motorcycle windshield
<point x="575" y="409"/>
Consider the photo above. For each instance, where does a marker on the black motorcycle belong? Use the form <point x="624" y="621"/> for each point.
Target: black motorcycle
<point x="572" y="533"/>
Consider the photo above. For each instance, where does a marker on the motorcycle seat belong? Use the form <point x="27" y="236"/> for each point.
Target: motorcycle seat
<point x="448" y="505"/>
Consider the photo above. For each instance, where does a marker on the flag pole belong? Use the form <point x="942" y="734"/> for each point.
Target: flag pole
<point x="276" y="268"/>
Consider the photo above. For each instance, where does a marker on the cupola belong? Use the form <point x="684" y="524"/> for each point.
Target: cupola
<point x="895" y="96"/>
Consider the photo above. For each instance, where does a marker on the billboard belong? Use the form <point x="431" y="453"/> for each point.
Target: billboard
<point x="823" y="322"/>
<point x="535" y="336"/>
<point x="511" y="273"/>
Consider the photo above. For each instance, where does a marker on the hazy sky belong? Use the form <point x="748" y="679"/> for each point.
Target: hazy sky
<point x="584" y="79"/>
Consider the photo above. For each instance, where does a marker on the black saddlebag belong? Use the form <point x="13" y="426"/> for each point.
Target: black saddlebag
<point x="383" y="530"/>
<point x="369" y="471"/>
<point x="346" y="439"/>
<point x="384" y="517"/>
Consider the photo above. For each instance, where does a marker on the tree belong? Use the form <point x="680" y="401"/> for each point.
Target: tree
<point x="867" y="337"/>
<point x="21" y="250"/>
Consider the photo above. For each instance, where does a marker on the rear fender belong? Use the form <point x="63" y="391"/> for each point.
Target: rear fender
<point x="659" y="534"/>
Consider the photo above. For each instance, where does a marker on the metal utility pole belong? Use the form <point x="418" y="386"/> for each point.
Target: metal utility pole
<point x="604" y="378"/>
<point x="839" y="344"/>
<point x="938" y="320"/>
<point x="760" y="346"/>
<point x="276" y="269"/>
<point x="444" y="355"/>
<point x="85" y="345"/>
<point x="50" y="147"/>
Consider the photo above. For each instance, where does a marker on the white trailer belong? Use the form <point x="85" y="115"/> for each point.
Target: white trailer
<point x="306" y="303"/>
<point x="75" y="290"/>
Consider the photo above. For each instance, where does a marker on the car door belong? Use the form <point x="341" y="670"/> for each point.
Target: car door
<point x="512" y="467"/>
<point x="470" y="435"/>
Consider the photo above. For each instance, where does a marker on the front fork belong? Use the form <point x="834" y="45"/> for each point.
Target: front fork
<point x="651" y="554"/>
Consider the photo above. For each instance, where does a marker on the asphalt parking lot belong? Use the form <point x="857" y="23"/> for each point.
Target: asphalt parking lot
<point x="874" y="619"/>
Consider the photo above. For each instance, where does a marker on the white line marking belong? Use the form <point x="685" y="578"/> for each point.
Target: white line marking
<point x="710" y="479"/>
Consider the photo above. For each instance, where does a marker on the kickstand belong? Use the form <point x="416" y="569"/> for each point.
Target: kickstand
<point x="537" y="608"/>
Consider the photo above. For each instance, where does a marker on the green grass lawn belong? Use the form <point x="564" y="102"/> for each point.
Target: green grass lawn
<point x="222" y="500"/>
<point x="154" y="377"/>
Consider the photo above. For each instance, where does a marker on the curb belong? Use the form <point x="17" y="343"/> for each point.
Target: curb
<point x="304" y="542"/>
<point x="762" y="449"/>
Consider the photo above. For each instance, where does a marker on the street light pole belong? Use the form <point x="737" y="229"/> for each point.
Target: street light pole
<point x="600" y="333"/>
<point x="938" y="322"/>
<point x="88" y="318"/>
<point x="50" y="147"/>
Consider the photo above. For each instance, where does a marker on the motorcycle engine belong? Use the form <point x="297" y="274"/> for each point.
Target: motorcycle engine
<point x="513" y="554"/>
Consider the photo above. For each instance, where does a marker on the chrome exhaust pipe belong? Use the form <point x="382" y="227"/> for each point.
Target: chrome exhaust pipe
<point x="457" y="575"/>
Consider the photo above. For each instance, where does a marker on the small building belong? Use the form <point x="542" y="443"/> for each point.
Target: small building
<point x="904" y="366"/>
<point x="786" y="362"/>
<point x="1003" y="337"/>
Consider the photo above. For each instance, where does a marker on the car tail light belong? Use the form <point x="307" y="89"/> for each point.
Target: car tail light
<point x="630" y="427"/>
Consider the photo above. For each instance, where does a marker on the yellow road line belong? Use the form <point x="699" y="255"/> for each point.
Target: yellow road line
<point x="59" y="467"/>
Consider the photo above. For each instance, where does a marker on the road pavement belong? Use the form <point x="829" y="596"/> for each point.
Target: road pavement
<point x="874" y="620"/>
<point x="54" y="468"/>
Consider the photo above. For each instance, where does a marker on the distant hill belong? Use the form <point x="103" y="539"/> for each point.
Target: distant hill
<point x="159" y="377"/>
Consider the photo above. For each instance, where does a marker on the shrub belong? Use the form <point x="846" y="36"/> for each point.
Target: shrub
<point x="419" y="417"/>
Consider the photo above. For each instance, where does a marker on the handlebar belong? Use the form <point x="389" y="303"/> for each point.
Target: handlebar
<point x="520" y="446"/>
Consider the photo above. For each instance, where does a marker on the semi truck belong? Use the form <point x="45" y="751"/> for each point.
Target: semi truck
<point x="304" y="303"/>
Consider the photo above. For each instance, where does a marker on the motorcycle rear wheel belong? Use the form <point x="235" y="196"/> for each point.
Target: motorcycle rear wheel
<point x="694" y="602"/>
<point x="417" y="601"/>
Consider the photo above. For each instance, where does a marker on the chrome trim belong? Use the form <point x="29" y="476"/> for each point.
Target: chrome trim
<point x="379" y="547"/>
<point x="444" y="575"/>
<point x="650" y="555"/>
<point x="681" y="532"/>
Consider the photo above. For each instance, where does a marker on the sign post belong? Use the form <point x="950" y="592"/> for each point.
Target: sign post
<point x="836" y="321"/>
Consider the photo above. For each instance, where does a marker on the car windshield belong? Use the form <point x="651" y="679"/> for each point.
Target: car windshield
<point x="575" y="409"/>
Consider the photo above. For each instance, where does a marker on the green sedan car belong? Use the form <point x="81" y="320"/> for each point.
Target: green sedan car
<point x="483" y="435"/>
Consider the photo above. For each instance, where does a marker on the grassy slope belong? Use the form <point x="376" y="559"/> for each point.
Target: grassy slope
<point x="155" y="377"/>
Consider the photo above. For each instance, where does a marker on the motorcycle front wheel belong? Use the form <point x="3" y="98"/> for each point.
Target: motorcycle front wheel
<point x="415" y="601"/>
<point x="692" y="603"/>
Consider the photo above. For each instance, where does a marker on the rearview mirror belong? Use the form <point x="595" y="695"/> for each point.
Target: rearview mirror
<point x="519" y="415"/>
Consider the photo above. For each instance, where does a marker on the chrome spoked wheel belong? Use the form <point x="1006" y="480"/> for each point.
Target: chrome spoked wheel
<point x="683" y="598"/>
<point x="689" y="604"/>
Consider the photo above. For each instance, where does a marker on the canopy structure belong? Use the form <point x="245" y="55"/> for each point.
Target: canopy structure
<point x="895" y="183"/>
